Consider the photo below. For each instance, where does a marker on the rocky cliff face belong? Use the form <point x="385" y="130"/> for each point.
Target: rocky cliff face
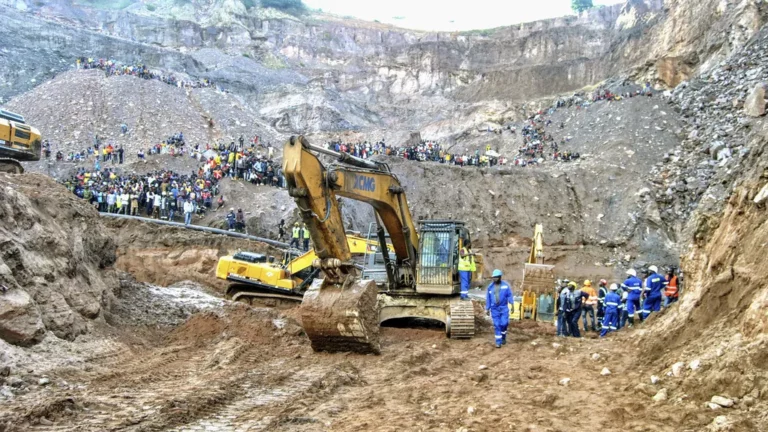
<point x="321" y="73"/>
<point x="53" y="256"/>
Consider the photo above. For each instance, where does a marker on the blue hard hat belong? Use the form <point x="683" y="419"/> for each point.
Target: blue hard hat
<point x="496" y="273"/>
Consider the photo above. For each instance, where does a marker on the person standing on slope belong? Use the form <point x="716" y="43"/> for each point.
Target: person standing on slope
<point x="611" y="320"/>
<point x="654" y="285"/>
<point x="634" y="286"/>
<point x="602" y="291"/>
<point x="497" y="299"/>
<point x="589" y="305"/>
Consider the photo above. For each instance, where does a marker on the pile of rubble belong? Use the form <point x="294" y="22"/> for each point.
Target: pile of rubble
<point x="718" y="109"/>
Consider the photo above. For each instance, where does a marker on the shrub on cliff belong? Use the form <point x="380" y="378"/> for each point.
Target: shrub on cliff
<point x="294" y="7"/>
<point x="580" y="6"/>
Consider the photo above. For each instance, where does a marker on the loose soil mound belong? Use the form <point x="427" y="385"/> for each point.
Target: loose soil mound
<point x="55" y="257"/>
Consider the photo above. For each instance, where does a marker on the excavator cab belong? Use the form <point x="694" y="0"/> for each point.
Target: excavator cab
<point x="439" y="244"/>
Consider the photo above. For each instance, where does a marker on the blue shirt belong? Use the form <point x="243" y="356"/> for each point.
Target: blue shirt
<point x="654" y="284"/>
<point x="634" y="286"/>
<point x="505" y="297"/>
<point x="612" y="301"/>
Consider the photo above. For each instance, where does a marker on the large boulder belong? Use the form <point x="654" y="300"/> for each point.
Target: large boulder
<point x="754" y="105"/>
<point x="20" y="320"/>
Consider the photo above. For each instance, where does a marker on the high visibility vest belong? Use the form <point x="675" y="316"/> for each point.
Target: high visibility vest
<point x="671" y="289"/>
<point x="296" y="231"/>
<point x="592" y="300"/>
<point x="306" y="233"/>
<point x="466" y="262"/>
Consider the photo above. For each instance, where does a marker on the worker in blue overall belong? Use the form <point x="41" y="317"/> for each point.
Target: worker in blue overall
<point x="634" y="286"/>
<point x="654" y="286"/>
<point x="611" y="308"/>
<point x="497" y="299"/>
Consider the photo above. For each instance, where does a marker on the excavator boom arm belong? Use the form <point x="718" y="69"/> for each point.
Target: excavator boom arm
<point x="316" y="187"/>
<point x="385" y="194"/>
<point x="307" y="184"/>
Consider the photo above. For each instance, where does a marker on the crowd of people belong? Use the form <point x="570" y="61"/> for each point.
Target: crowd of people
<point x="161" y="194"/>
<point x="539" y="144"/>
<point x="114" y="68"/>
<point x="166" y="194"/>
<point x="614" y="306"/>
<point x="425" y="151"/>
<point x="239" y="162"/>
<point x="605" y="310"/>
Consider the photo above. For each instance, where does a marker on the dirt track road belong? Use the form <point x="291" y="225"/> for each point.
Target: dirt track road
<point x="238" y="371"/>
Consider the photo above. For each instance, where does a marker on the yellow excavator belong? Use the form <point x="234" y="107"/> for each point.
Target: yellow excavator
<point x="343" y="311"/>
<point x="538" y="280"/>
<point x="18" y="142"/>
<point x="256" y="275"/>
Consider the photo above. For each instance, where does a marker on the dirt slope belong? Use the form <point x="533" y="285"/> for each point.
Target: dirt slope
<point x="55" y="260"/>
<point x="721" y="319"/>
<point x="76" y="106"/>
<point x="163" y="255"/>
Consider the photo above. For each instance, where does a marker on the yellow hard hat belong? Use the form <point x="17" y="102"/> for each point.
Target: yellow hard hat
<point x="573" y="284"/>
<point x="295" y="224"/>
<point x="588" y="283"/>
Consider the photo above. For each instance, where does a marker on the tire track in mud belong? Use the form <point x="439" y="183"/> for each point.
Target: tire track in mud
<point x="227" y="385"/>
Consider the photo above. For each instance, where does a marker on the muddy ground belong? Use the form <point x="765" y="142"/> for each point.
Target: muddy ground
<point x="231" y="367"/>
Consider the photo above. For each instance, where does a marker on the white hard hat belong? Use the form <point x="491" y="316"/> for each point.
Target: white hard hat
<point x="613" y="287"/>
<point x="653" y="268"/>
<point x="632" y="272"/>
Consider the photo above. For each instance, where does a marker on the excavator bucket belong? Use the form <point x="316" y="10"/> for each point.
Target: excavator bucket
<point x="342" y="317"/>
<point x="539" y="279"/>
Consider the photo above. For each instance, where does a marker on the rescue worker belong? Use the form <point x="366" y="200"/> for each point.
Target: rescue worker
<point x="589" y="305"/>
<point x="602" y="291"/>
<point x="231" y="217"/>
<point x="622" y="308"/>
<point x="499" y="295"/>
<point x="295" y="236"/>
<point x="305" y="235"/>
<point x="611" y="319"/>
<point x="634" y="287"/>
<point x="671" y="292"/>
<point x="562" y="327"/>
<point x="573" y="309"/>
<point x="654" y="285"/>
<point x="466" y="267"/>
<point x="281" y="230"/>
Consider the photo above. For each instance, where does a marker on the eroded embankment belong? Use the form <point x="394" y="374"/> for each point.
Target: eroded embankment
<point x="163" y="255"/>
<point x="55" y="257"/>
<point x="718" y="329"/>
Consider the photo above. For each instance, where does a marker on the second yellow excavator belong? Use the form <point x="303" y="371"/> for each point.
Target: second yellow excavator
<point x="538" y="279"/>
<point x="257" y="276"/>
<point x="342" y="311"/>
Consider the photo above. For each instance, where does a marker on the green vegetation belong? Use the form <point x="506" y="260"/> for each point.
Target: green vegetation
<point x="580" y="6"/>
<point x="151" y="7"/>
<point x="273" y="62"/>
<point x="293" y="7"/>
<point x="249" y="3"/>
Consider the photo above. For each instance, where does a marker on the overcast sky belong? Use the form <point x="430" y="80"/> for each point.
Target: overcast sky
<point x="449" y="14"/>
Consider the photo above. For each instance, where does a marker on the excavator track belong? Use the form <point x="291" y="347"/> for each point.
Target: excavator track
<point x="342" y="317"/>
<point x="10" y="166"/>
<point x="461" y="320"/>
